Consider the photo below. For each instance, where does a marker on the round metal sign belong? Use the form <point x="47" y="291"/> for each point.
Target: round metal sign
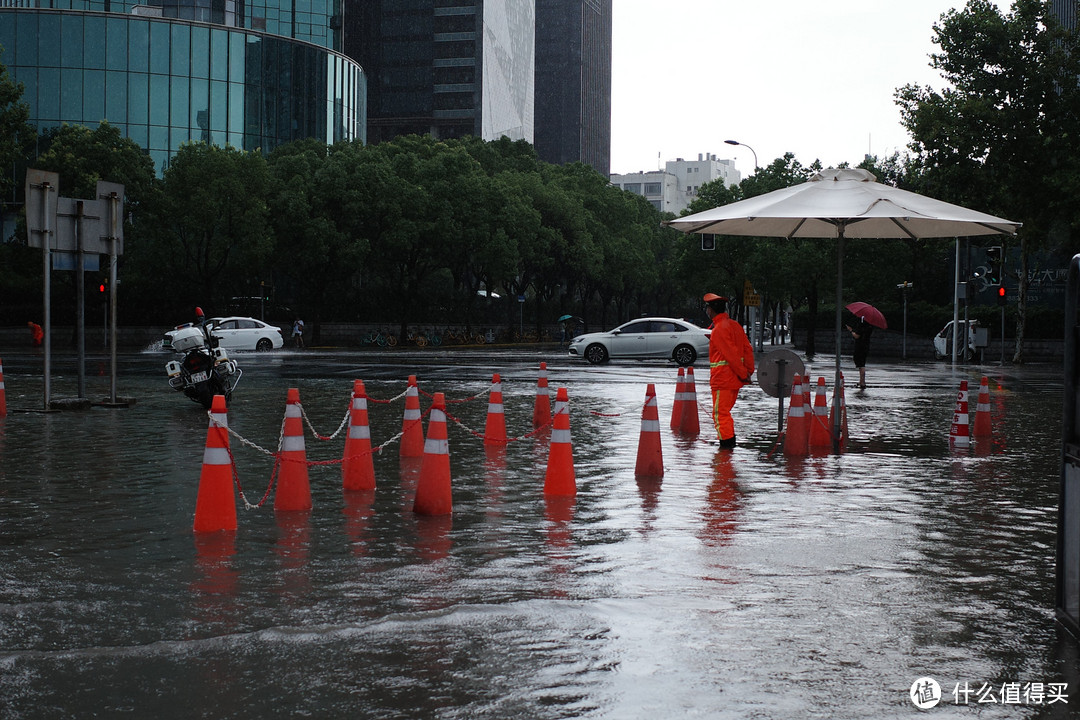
<point x="775" y="371"/>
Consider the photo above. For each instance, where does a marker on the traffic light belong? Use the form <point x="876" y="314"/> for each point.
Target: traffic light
<point x="1003" y="297"/>
<point x="708" y="242"/>
<point x="103" y="287"/>
<point x="993" y="259"/>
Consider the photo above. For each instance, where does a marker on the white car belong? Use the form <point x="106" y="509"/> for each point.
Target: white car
<point x="652" y="337"/>
<point x="239" y="333"/>
<point x="943" y="341"/>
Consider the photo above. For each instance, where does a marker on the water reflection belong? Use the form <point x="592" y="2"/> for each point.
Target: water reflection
<point x="813" y="587"/>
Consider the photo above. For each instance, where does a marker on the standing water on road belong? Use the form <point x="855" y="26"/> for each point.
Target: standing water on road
<point x="741" y="584"/>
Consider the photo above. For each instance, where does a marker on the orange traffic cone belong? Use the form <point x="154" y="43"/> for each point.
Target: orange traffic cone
<point x="294" y="489"/>
<point x="542" y="407"/>
<point x="495" y="427"/>
<point x="412" y="427"/>
<point x="842" y="404"/>
<point x="820" y="431"/>
<point x="3" y="393"/>
<point x="357" y="466"/>
<point x="959" y="436"/>
<point x="981" y="428"/>
<point x="650" y="456"/>
<point x="795" y="436"/>
<point x="433" y="495"/>
<point x="689" y="423"/>
<point x="680" y="400"/>
<point x="559" y="478"/>
<point x="215" y="505"/>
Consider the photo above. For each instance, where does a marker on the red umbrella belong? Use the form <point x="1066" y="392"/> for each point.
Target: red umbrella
<point x="869" y="313"/>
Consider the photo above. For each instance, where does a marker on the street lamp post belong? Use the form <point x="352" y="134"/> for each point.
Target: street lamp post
<point x="736" y="142"/>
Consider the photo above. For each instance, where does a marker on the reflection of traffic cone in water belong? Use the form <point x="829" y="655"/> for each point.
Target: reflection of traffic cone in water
<point x="841" y="403"/>
<point x="3" y="392"/>
<point x="215" y="506"/>
<point x="412" y="439"/>
<point x="542" y="406"/>
<point x="795" y="435"/>
<point x="433" y="495"/>
<point x="981" y="427"/>
<point x="650" y="456"/>
<point x="959" y="432"/>
<point x="680" y="400"/>
<point x="820" y="432"/>
<point x="689" y="423"/>
<point x="495" y="427"/>
<point x="559" y="478"/>
<point x="357" y="466"/>
<point x="294" y="489"/>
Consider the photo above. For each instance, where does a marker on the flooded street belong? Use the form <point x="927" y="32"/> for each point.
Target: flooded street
<point x="742" y="585"/>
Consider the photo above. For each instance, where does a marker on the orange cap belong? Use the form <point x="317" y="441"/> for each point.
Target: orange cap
<point x="709" y="297"/>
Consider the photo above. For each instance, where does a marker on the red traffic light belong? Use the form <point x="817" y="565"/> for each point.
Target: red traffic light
<point x="101" y="288"/>
<point x="1002" y="295"/>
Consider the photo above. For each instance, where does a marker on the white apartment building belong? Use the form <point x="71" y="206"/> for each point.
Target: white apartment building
<point x="675" y="187"/>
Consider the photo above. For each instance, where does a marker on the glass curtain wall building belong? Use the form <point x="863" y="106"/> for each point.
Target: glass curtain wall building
<point x="167" y="74"/>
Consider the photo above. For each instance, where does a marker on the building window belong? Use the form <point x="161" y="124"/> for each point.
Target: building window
<point x="652" y="188"/>
<point x="633" y="187"/>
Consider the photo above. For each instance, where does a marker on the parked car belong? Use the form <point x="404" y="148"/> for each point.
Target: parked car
<point x="943" y="341"/>
<point x="653" y="337"/>
<point x="238" y="333"/>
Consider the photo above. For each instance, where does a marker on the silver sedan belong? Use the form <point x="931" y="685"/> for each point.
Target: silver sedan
<point x="652" y="337"/>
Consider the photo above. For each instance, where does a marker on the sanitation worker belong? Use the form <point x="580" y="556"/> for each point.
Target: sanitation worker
<point x="731" y="364"/>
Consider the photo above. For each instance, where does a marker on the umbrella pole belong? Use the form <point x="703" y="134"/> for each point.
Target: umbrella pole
<point x="837" y="420"/>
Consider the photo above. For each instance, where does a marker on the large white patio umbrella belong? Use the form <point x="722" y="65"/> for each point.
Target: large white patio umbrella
<point x="843" y="203"/>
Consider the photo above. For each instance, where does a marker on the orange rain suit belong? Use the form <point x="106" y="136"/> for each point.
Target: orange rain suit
<point x="731" y="364"/>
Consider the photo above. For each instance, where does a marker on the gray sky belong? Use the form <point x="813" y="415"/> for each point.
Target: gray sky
<point x="814" y="78"/>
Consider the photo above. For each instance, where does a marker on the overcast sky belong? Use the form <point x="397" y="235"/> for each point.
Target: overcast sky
<point x="814" y="78"/>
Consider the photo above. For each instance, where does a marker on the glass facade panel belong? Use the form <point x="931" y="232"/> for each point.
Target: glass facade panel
<point x="200" y="52"/>
<point x="159" y="100"/>
<point x="7" y="42"/>
<point x="236" y="57"/>
<point x="159" y="48"/>
<point x="94" y="42"/>
<point x="219" y="105"/>
<point x="181" y="50"/>
<point x="117" y="44"/>
<point x="179" y="97"/>
<point x="219" y="55"/>
<point x="93" y="95"/>
<point x="71" y="41"/>
<point x="116" y="96"/>
<point x="200" y="107"/>
<point x="138" y="46"/>
<point x="48" y="106"/>
<point x="48" y="38"/>
<point x="138" y="99"/>
<point x="26" y="47"/>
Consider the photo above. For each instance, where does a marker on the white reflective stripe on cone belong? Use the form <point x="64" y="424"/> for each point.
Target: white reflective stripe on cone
<point x="292" y="443"/>
<point x="216" y="456"/>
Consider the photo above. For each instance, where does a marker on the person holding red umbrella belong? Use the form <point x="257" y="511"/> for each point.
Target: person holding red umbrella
<point x="869" y="317"/>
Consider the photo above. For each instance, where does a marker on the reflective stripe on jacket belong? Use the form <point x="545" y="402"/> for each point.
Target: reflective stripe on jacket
<point x="731" y="357"/>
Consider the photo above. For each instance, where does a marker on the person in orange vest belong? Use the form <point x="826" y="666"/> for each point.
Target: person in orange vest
<point x="36" y="333"/>
<point x="731" y="364"/>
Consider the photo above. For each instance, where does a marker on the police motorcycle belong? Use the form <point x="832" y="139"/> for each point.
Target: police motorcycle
<point x="205" y="370"/>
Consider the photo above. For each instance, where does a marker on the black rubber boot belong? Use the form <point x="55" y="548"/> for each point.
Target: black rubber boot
<point x="728" y="444"/>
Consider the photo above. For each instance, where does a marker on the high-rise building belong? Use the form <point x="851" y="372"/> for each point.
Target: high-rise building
<point x="247" y="74"/>
<point x="573" y="82"/>
<point x="447" y="68"/>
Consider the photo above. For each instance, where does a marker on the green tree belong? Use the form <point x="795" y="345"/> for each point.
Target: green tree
<point x="209" y="230"/>
<point x="1005" y="137"/>
<point x="17" y="135"/>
